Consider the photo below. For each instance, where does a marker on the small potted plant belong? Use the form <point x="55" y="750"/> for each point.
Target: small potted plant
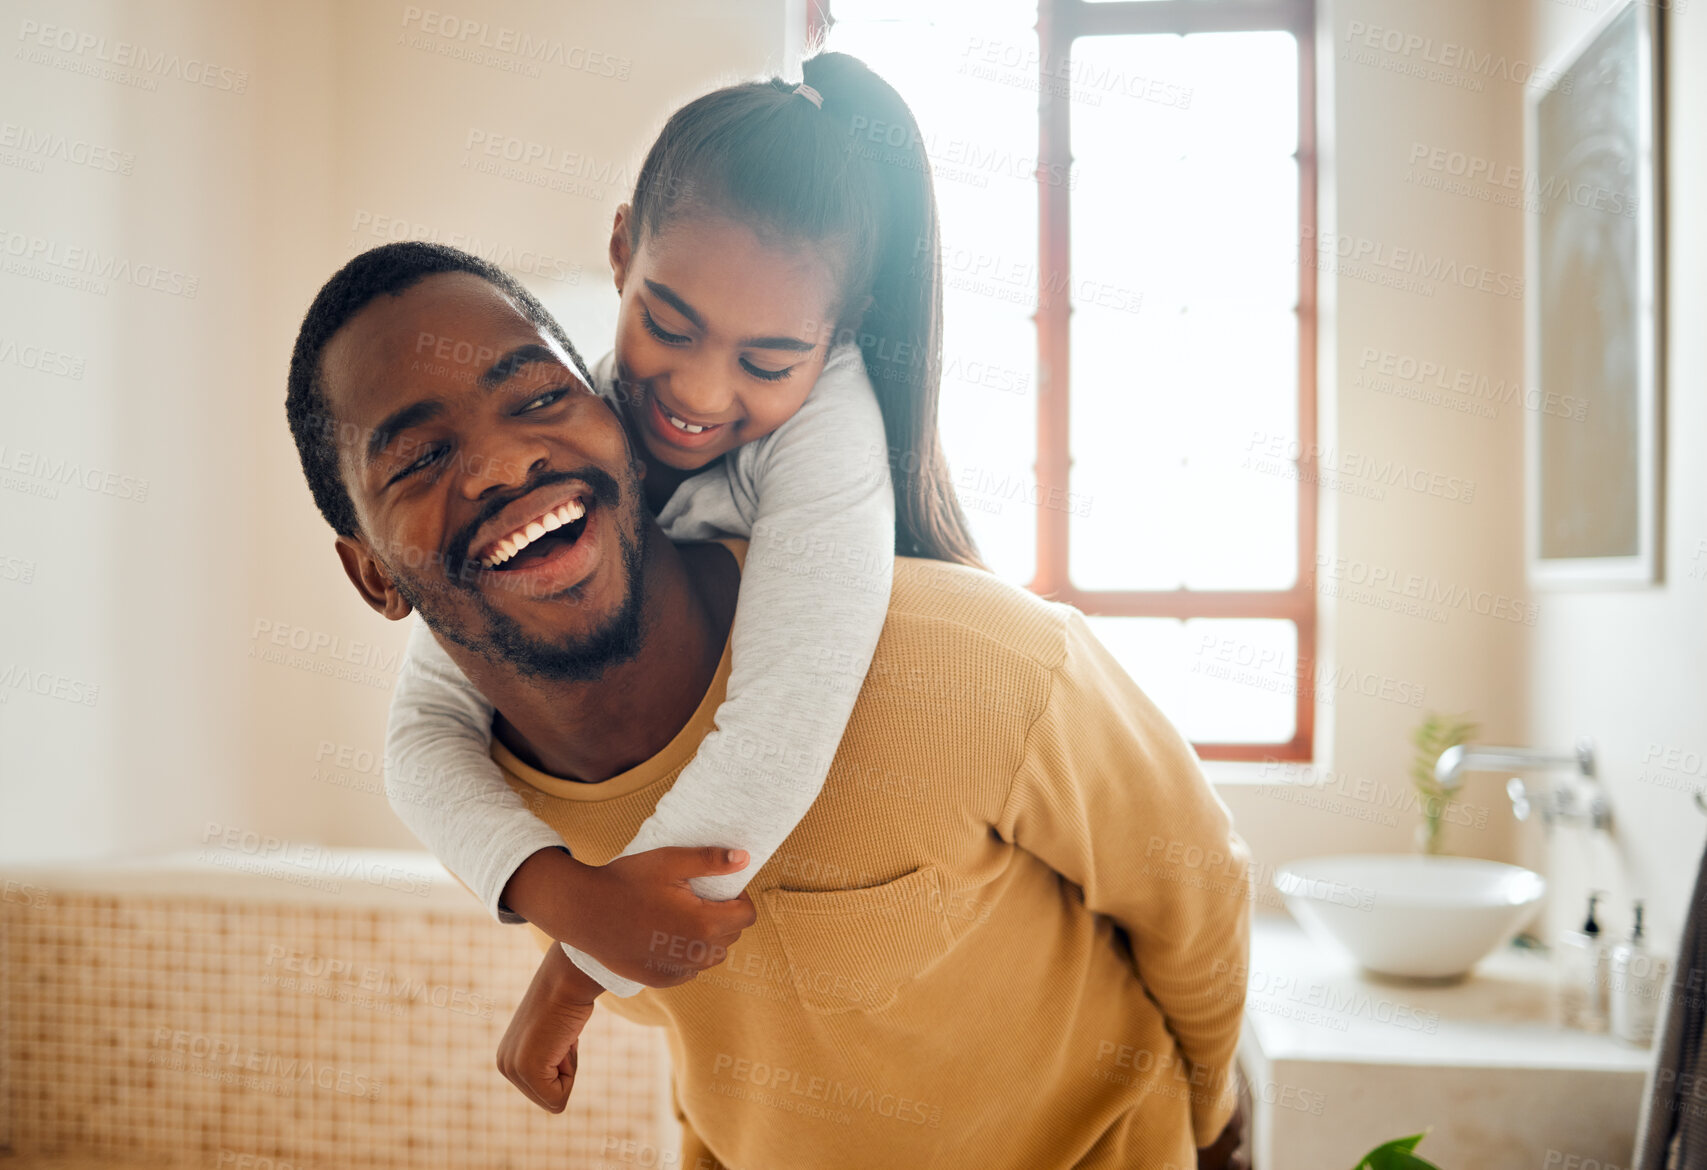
<point x="1398" y="1154"/>
<point x="1434" y="735"/>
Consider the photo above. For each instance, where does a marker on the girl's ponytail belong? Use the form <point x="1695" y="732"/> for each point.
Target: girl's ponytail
<point x="851" y="169"/>
<point x="901" y="331"/>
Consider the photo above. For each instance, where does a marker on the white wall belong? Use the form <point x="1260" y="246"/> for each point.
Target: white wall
<point x="351" y="117"/>
<point x="1376" y="115"/>
<point x="1629" y="666"/>
<point x="1625" y="667"/>
<point x="137" y="580"/>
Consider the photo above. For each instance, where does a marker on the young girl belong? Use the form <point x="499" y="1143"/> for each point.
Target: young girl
<point x="738" y="439"/>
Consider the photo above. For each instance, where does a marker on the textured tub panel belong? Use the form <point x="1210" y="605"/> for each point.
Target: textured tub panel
<point x="208" y="1034"/>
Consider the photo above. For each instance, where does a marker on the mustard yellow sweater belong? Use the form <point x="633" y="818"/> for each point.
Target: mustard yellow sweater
<point x="1011" y="932"/>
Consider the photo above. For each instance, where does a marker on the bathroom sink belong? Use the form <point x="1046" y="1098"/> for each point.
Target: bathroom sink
<point x="1410" y="916"/>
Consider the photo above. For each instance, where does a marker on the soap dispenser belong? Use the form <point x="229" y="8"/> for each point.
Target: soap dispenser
<point x="1638" y="983"/>
<point x="1584" y="970"/>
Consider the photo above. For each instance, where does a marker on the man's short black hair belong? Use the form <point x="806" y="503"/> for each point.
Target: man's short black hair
<point x="390" y="269"/>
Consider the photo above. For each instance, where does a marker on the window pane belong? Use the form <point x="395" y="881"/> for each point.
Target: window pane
<point x="1153" y="652"/>
<point x="1165" y="414"/>
<point x="1218" y="680"/>
<point x="1243" y="680"/>
<point x="1184" y="331"/>
<point x="989" y="425"/>
<point x="1233" y="94"/>
<point x="969" y="73"/>
<point x="972" y="14"/>
<point x="1184" y="337"/>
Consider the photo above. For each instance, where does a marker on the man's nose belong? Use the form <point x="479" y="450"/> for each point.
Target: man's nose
<point x="502" y="463"/>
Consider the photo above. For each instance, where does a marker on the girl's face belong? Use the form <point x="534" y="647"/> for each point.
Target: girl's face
<point x="720" y="335"/>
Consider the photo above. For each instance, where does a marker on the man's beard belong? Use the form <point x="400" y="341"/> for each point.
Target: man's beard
<point x="505" y="642"/>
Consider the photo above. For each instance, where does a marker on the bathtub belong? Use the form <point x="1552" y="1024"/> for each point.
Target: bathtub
<point x="227" y="1007"/>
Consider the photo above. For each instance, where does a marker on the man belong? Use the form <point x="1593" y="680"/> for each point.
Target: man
<point x="971" y="952"/>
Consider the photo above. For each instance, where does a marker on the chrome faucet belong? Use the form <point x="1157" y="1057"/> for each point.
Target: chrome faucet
<point x="1564" y="803"/>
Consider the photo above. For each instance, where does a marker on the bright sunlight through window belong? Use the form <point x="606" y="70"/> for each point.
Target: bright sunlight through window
<point x="1182" y="213"/>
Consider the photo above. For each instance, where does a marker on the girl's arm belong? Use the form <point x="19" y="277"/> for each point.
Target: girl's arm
<point x="816" y="498"/>
<point x="441" y="780"/>
<point x="443" y="784"/>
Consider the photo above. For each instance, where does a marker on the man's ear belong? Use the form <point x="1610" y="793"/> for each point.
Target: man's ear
<point x="620" y="252"/>
<point x="370" y="579"/>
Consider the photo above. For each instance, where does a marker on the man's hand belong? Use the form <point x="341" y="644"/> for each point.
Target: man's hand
<point x="638" y="915"/>
<point x="1231" y="1150"/>
<point x="540" y="1050"/>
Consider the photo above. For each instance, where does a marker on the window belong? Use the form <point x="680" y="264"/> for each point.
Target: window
<point x="1129" y="357"/>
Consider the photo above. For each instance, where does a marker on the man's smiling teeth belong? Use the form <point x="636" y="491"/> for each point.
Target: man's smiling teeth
<point x="684" y="426"/>
<point x="550" y="522"/>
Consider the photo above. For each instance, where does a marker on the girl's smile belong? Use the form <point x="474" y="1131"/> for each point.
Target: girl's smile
<point x="671" y="428"/>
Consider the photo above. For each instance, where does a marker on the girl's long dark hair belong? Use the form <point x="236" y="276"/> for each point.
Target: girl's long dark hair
<point x="852" y="174"/>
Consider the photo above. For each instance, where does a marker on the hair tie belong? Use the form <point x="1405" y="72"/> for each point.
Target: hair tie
<point x="810" y="94"/>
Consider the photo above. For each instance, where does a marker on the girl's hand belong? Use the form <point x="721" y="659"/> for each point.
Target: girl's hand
<point x="638" y="915"/>
<point x="540" y="1050"/>
<point x="644" y="922"/>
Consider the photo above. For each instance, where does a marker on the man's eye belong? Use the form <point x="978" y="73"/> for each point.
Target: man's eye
<point x="421" y="464"/>
<point x="653" y="328"/>
<point x="543" y="400"/>
<point x="765" y="375"/>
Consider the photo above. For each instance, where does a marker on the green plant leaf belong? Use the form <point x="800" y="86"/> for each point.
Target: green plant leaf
<point x="1396" y="1155"/>
<point x="1432" y="736"/>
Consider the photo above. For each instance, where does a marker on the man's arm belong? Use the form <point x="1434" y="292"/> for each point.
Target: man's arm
<point x="1111" y="797"/>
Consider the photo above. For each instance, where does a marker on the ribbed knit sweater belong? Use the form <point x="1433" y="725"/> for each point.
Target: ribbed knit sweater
<point x="1011" y="932"/>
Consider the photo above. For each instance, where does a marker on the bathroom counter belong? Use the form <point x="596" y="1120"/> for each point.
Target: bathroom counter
<point x="1340" y="1061"/>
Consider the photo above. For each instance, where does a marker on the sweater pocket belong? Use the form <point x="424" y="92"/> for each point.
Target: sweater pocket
<point x="853" y="950"/>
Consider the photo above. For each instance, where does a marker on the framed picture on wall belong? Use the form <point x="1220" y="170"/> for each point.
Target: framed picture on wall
<point x="1594" y="313"/>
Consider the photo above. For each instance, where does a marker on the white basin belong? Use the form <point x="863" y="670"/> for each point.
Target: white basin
<point x="1410" y="916"/>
